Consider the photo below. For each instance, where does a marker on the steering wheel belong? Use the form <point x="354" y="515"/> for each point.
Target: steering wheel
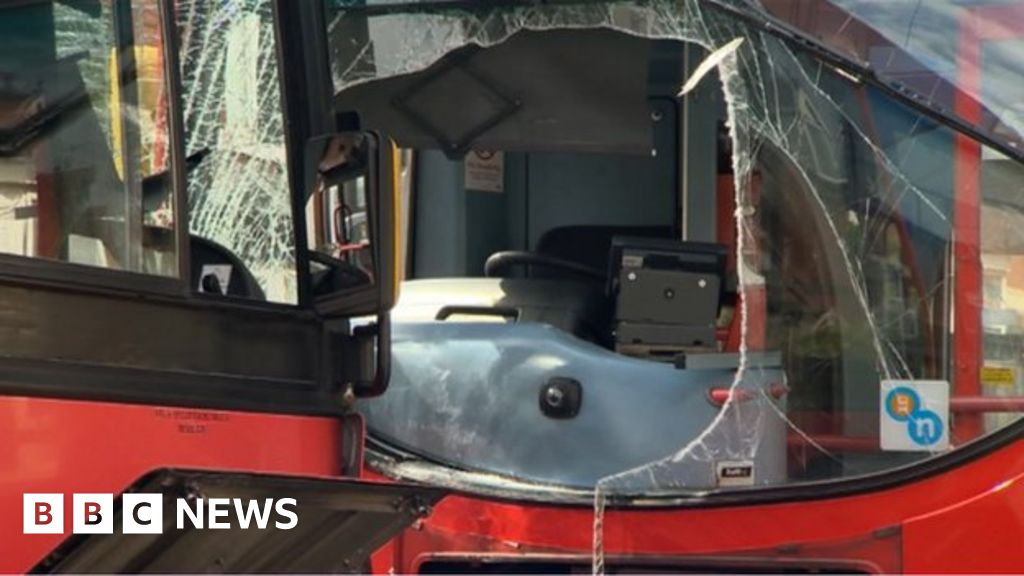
<point x="499" y="263"/>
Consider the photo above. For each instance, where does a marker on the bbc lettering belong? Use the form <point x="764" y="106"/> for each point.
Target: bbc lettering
<point x="144" y="513"/>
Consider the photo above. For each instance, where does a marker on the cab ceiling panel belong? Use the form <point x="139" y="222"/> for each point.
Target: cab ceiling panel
<point x="559" y="90"/>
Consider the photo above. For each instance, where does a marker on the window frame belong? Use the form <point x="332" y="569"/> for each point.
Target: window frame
<point x="293" y="81"/>
<point x="76" y="380"/>
<point x="307" y="108"/>
<point x="45" y="271"/>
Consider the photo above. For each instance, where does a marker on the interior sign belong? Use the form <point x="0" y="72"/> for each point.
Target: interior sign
<point x="998" y="375"/>
<point x="485" y="171"/>
<point x="738" y="473"/>
<point x="914" y="415"/>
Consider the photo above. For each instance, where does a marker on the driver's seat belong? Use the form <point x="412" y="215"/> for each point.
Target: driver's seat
<point x="587" y="245"/>
<point x="579" y="308"/>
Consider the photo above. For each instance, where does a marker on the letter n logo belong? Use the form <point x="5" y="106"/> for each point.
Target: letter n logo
<point x="43" y="513"/>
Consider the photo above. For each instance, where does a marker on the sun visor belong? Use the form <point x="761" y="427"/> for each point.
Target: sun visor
<point x="565" y="90"/>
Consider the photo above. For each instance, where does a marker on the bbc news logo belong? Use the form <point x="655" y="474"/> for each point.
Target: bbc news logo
<point x="144" y="513"/>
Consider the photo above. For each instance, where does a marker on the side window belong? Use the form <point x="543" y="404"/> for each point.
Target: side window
<point x="1001" y="244"/>
<point x="83" y="137"/>
<point x="239" y="206"/>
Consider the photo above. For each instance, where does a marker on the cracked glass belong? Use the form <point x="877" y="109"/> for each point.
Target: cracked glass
<point x="959" y="56"/>
<point x="872" y="256"/>
<point x="234" y="138"/>
<point x="83" y="149"/>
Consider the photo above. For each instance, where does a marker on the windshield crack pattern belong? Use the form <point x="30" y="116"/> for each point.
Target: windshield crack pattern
<point x="792" y="120"/>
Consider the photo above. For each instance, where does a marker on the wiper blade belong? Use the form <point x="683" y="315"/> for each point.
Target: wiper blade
<point x="863" y="72"/>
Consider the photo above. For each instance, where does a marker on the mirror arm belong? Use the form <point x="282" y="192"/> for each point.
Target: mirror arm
<point x="382" y="374"/>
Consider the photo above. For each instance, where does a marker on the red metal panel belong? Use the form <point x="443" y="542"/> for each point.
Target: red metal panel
<point x="72" y="446"/>
<point x="968" y="300"/>
<point x="983" y="404"/>
<point x="980" y="534"/>
<point x="48" y="232"/>
<point x="956" y="503"/>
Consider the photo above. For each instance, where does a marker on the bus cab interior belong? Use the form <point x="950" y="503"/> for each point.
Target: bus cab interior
<point x="573" y="313"/>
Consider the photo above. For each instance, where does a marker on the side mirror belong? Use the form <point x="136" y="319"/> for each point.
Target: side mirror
<point x="351" y="222"/>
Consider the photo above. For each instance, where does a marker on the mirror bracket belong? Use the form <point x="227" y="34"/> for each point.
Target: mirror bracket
<point x="364" y="358"/>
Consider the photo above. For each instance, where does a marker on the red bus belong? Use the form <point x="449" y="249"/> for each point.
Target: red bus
<point x="687" y="286"/>
<point x="701" y="286"/>
<point x="165" y="328"/>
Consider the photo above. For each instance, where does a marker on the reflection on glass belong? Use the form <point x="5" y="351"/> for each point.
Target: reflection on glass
<point x="83" y="147"/>
<point x="338" y="220"/>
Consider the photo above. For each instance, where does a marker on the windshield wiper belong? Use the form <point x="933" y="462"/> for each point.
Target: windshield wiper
<point x="862" y="72"/>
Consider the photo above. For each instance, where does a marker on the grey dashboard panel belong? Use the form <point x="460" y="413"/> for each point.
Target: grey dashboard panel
<point x="469" y="394"/>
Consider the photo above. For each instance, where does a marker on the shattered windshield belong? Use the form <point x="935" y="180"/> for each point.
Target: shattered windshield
<point x="963" y="57"/>
<point x="234" y="131"/>
<point x="656" y="249"/>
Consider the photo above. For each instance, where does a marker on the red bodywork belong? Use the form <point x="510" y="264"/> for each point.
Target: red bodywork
<point x="73" y="446"/>
<point x="968" y="519"/>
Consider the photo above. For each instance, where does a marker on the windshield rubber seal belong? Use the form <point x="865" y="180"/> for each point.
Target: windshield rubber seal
<point x="717" y="498"/>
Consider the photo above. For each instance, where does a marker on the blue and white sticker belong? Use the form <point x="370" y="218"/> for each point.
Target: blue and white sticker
<point x="914" y="415"/>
